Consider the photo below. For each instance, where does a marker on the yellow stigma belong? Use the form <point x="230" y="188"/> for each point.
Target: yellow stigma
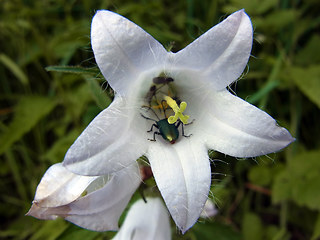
<point x="177" y="110"/>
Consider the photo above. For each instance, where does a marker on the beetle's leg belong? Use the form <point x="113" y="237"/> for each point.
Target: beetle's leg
<point x="153" y="125"/>
<point x="182" y="128"/>
<point x="183" y="132"/>
<point x="141" y="188"/>
<point x="178" y="123"/>
<point x="189" y="122"/>
<point x="154" y="136"/>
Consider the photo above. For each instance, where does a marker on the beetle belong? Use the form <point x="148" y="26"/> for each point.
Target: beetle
<point x="169" y="132"/>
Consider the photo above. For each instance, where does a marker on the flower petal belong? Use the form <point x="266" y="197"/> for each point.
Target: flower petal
<point x="99" y="210"/>
<point x="182" y="173"/>
<point x="123" y="50"/>
<point x="237" y="128"/>
<point x="108" y="144"/>
<point x="59" y="186"/>
<point x="41" y="212"/>
<point x="146" y="221"/>
<point x="209" y="209"/>
<point x="221" y="54"/>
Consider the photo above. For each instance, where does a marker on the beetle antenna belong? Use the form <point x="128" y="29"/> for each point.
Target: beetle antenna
<point x="149" y="108"/>
<point x="147" y="117"/>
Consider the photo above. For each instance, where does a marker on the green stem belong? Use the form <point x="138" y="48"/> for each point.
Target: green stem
<point x="283" y="215"/>
<point x="12" y="163"/>
<point x="272" y="81"/>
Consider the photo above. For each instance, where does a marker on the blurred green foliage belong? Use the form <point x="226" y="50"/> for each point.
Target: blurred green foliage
<point x="51" y="89"/>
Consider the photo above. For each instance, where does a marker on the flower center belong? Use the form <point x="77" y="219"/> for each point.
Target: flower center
<point x="163" y="106"/>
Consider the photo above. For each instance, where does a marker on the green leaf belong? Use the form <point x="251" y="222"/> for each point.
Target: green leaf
<point x="316" y="232"/>
<point x="220" y="192"/>
<point x="281" y="189"/>
<point x="252" y="227"/>
<point x="273" y="232"/>
<point x="50" y="230"/>
<point x="60" y="147"/>
<point x="260" y="175"/>
<point x="73" y="69"/>
<point x="308" y="81"/>
<point x="299" y="182"/>
<point x="275" y="21"/>
<point x="304" y="172"/>
<point x="100" y="97"/>
<point x="28" y="113"/>
<point x="14" y="68"/>
<point x="251" y="6"/>
<point x="220" y="231"/>
<point x="310" y="54"/>
<point x="74" y="232"/>
<point x="281" y="234"/>
<point x="265" y="90"/>
<point x="21" y="228"/>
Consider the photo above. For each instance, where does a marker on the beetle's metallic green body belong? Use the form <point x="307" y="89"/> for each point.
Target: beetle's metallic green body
<point x="168" y="131"/>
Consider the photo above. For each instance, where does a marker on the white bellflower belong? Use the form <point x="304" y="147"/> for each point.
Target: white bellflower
<point x="132" y="62"/>
<point x="95" y="203"/>
<point x="145" y="221"/>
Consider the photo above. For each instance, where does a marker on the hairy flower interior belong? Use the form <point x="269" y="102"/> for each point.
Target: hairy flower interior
<point x="164" y="98"/>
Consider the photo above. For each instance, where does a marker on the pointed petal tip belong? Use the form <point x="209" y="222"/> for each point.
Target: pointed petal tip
<point x="184" y="230"/>
<point x="29" y="213"/>
<point x="117" y="41"/>
<point x="284" y="137"/>
<point x="289" y="139"/>
<point x="173" y="173"/>
<point x="221" y="54"/>
<point x="241" y="12"/>
<point x="40" y="213"/>
<point x="186" y="227"/>
<point x="255" y="133"/>
<point x="103" y="12"/>
<point x="33" y="210"/>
